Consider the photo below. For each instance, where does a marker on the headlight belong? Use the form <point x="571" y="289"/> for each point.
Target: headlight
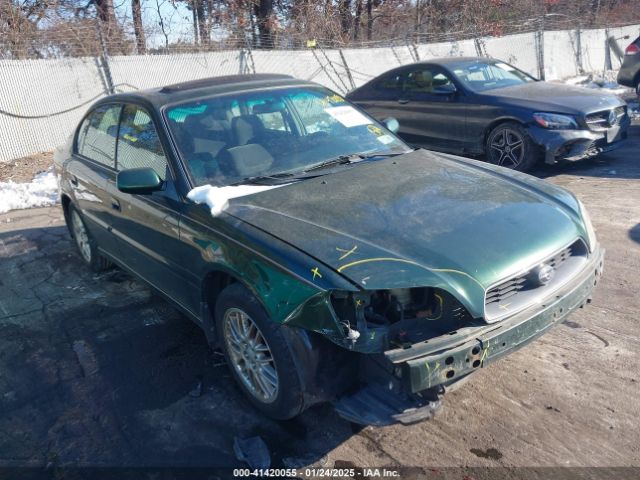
<point x="554" y="121"/>
<point x="591" y="233"/>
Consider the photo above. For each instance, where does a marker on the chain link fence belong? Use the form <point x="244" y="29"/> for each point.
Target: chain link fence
<point x="42" y="99"/>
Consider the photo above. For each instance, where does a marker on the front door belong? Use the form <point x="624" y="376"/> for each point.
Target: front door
<point x="147" y="226"/>
<point x="432" y="113"/>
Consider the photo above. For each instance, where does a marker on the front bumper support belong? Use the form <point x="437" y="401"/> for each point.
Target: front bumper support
<point x="425" y="366"/>
<point x="573" y="145"/>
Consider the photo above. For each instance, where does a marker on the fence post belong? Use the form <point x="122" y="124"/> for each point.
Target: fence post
<point x="104" y="60"/>
<point x="579" y="49"/>
<point x="346" y="68"/>
<point x="608" y="65"/>
<point x="539" y="40"/>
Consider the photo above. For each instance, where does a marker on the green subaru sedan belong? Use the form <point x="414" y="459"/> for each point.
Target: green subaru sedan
<point x="327" y="259"/>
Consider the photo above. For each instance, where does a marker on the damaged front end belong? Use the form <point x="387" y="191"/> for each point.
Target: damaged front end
<point x="407" y="347"/>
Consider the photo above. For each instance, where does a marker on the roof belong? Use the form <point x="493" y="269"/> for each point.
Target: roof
<point x="208" y="87"/>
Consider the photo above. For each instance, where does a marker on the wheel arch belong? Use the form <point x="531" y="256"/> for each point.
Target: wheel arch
<point x="497" y="122"/>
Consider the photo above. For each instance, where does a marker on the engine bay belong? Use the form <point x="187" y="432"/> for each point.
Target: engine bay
<point x="397" y="318"/>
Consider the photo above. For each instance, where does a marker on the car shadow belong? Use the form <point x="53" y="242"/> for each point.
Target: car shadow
<point x="634" y="233"/>
<point x="97" y="370"/>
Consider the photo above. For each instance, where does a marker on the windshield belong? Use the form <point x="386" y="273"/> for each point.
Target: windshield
<point x="226" y="140"/>
<point x="488" y="76"/>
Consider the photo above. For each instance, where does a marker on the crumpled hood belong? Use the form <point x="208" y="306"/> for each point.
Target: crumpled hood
<point x="558" y="98"/>
<point x="421" y="219"/>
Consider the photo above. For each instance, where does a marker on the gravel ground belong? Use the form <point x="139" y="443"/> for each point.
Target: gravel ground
<point x="95" y="370"/>
<point x="24" y="169"/>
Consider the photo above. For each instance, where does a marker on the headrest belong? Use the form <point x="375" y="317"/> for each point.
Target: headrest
<point x="245" y="128"/>
<point x="250" y="160"/>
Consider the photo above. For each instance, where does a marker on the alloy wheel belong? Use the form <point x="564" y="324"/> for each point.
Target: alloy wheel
<point x="81" y="236"/>
<point x="250" y="355"/>
<point x="507" y="148"/>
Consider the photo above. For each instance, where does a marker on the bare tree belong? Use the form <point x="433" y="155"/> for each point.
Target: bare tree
<point x="138" y="30"/>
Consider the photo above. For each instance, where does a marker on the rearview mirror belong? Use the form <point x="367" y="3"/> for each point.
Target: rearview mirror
<point x="139" y="181"/>
<point x="392" y="124"/>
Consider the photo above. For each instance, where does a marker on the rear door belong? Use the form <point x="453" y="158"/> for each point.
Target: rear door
<point x="91" y="168"/>
<point x="147" y="226"/>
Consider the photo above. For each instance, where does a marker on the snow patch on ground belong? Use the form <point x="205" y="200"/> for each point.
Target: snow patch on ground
<point x="42" y="191"/>
<point x="605" y="83"/>
<point x="217" y="198"/>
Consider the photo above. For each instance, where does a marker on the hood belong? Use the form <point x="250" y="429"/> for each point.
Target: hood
<point x="554" y="97"/>
<point x="420" y="219"/>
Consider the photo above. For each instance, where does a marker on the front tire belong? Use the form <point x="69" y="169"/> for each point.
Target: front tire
<point x="85" y="243"/>
<point x="258" y="354"/>
<point x="509" y="145"/>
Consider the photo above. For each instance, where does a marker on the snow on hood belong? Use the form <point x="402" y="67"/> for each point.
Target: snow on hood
<point x="217" y="198"/>
<point x="42" y="191"/>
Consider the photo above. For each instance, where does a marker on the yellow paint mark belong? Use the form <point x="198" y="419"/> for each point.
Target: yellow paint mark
<point x="410" y="262"/>
<point x="316" y="273"/>
<point x="130" y="138"/>
<point x="484" y="353"/>
<point x="429" y="371"/>
<point x="359" y="302"/>
<point x="505" y="306"/>
<point x="346" y="252"/>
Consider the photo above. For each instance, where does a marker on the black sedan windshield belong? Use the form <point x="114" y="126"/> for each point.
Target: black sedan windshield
<point x="480" y="76"/>
<point x="226" y="140"/>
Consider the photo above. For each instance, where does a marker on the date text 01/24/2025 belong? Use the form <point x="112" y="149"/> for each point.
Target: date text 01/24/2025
<point x="318" y="472"/>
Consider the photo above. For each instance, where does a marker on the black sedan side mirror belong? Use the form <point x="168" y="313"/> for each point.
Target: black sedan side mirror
<point x="139" y="181"/>
<point x="392" y="124"/>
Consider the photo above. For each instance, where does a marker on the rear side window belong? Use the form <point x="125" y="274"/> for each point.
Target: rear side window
<point x="392" y="83"/>
<point x="138" y="142"/>
<point x="97" y="136"/>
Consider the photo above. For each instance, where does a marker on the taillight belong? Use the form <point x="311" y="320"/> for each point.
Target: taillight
<point x="632" y="49"/>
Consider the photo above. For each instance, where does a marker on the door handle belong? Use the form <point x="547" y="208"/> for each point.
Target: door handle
<point x="115" y="204"/>
<point x="402" y="101"/>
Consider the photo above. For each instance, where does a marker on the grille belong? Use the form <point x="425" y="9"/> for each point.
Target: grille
<point x="519" y="291"/>
<point x="507" y="289"/>
<point x="599" y="121"/>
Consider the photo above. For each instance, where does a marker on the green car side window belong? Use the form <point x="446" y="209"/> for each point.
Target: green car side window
<point x="138" y="142"/>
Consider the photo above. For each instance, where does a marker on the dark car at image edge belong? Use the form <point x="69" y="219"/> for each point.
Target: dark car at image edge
<point x="482" y="106"/>
<point x="354" y="269"/>
<point x="629" y="73"/>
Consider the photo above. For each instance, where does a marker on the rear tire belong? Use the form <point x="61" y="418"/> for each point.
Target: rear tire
<point x="85" y="243"/>
<point x="509" y="145"/>
<point x="258" y="354"/>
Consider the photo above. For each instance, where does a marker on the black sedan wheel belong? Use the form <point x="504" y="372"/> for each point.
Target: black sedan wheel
<point x="510" y="146"/>
<point x="85" y="242"/>
<point x="258" y="354"/>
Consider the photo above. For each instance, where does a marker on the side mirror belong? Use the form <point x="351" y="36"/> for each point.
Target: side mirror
<point x="139" y="181"/>
<point x="392" y="124"/>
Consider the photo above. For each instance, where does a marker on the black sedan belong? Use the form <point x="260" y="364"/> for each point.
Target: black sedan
<point x="629" y="74"/>
<point x="480" y="106"/>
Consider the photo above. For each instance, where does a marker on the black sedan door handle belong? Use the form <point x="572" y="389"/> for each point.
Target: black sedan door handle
<point x="115" y="204"/>
<point x="402" y="101"/>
